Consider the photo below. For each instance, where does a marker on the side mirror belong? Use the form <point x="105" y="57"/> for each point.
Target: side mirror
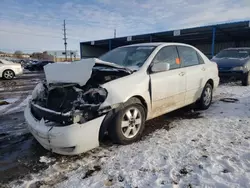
<point x="160" y="67"/>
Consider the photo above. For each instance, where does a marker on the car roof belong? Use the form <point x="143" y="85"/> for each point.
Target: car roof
<point x="6" y="61"/>
<point x="157" y="44"/>
<point x="239" y="48"/>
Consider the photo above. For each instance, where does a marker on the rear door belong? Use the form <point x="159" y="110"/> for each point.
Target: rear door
<point x="195" y="72"/>
<point x="168" y="87"/>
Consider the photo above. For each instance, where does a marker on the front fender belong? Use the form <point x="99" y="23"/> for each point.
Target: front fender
<point x="122" y="89"/>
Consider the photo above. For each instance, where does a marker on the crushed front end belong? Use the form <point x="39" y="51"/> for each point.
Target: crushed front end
<point x="67" y="103"/>
<point x="66" y="117"/>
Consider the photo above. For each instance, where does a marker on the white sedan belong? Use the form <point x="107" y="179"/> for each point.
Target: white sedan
<point x="8" y="69"/>
<point x="80" y="102"/>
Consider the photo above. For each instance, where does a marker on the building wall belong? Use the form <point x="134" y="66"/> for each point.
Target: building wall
<point x="62" y="59"/>
<point x="59" y="56"/>
<point x="94" y="51"/>
<point x="61" y="53"/>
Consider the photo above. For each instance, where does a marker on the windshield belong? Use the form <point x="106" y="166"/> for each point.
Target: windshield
<point x="128" y="56"/>
<point x="232" y="54"/>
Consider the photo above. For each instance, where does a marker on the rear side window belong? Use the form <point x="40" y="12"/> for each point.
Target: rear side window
<point x="201" y="61"/>
<point x="188" y="56"/>
<point x="169" y="55"/>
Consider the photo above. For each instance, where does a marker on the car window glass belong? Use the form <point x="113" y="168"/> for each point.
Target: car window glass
<point x="128" y="56"/>
<point x="201" y="60"/>
<point x="188" y="56"/>
<point x="168" y="55"/>
<point x="118" y="57"/>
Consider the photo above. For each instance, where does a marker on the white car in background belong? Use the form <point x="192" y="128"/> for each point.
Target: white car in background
<point x="8" y="69"/>
<point x="82" y="101"/>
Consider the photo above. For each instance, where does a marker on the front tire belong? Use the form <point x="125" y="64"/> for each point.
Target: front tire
<point x="129" y="123"/>
<point x="246" y="79"/>
<point x="206" y="97"/>
<point x="8" y="74"/>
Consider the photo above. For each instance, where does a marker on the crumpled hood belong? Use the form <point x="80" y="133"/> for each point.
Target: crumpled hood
<point x="78" y="72"/>
<point x="75" y="72"/>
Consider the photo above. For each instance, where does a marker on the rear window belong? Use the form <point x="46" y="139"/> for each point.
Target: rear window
<point x="232" y="54"/>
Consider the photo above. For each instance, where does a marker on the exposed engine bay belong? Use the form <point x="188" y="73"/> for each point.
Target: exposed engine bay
<point x="67" y="103"/>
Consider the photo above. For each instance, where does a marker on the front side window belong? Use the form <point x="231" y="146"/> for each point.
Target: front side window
<point x="128" y="56"/>
<point x="169" y="55"/>
<point x="188" y="56"/>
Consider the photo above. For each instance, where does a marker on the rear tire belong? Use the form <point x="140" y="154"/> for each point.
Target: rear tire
<point x="128" y="123"/>
<point x="206" y="97"/>
<point x="246" y="79"/>
<point x="8" y="74"/>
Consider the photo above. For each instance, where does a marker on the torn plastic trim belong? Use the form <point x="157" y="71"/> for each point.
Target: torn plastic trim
<point x="51" y="111"/>
<point x="65" y="119"/>
<point x="106" y="109"/>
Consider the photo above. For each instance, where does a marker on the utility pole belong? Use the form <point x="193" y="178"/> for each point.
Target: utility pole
<point x="65" y="39"/>
<point x="115" y="33"/>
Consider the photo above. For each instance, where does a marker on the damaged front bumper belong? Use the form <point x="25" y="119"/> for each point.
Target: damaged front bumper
<point x="72" y="139"/>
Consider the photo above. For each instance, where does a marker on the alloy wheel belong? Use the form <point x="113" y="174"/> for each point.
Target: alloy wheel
<point x="8" y="74"/>
<point x="207" y="96"/>
<point x="131" y="122"/>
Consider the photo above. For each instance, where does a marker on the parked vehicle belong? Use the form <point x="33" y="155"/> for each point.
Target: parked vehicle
<point x="29" y="63"/>
<point x="234" y="63"/>
<point x="80" y="102"/>
<point x="8" y="69"/>
<point x="37" y="66"/>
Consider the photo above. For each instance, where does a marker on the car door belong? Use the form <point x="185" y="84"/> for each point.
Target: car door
<point x="167" y="87"/>
<point x="195" y="72"/>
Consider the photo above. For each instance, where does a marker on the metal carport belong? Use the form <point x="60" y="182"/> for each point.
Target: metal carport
<point x="209" y="39"/>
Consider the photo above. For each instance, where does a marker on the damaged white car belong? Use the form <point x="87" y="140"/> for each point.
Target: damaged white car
<point x="80" y="102"/>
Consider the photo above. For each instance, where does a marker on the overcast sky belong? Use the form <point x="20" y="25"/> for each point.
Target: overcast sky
<point x="36" y="25"/>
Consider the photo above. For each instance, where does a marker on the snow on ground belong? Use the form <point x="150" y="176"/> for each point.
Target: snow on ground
<point x="15" y="105"/>
<point x="9" y="101"/>
<point x="212" y="150"/>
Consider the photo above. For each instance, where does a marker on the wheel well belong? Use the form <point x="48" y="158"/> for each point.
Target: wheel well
<point x="108" y="120"/>
<point x="143" y="103"/>
<point x="10" y="70"/>
<point x="211" y="82"/>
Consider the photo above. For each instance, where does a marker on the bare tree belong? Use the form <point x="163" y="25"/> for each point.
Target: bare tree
<point x="48" y="57"/>
<point x="42" y="56"/>
<point x="18" y="54"/>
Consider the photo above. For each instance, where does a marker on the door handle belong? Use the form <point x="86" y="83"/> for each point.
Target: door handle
<point x="182" y="73"/>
